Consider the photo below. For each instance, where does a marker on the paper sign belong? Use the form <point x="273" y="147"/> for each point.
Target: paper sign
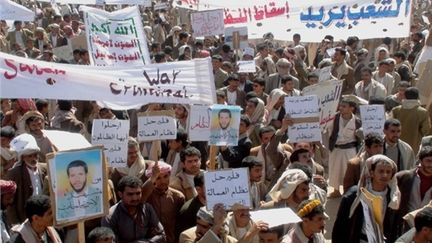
<point x="304" y="110"/>
<point x="73" y="141"/>
<point x="156" y="127"/>
<point x="116" y="38"/>
<point x="160" y="6"/>
<point x="199" y="123"/>
<point x="227" y="187"/>
<point x="224" y="125"/>
<point x="63" y="52"/>
<point x="328" y="93"/>
<point x="207" y="23"/>
<point x="79" y="42"/>
<point x="246" y="66"/>
<point x="373" y="119"/>
<point x="243" y="37"/>
<point x="113" y="135"/>
<point x="273" y="216"/>
<point x="78" y="185"/>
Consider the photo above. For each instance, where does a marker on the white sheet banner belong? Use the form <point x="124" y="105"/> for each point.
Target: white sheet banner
<point x="116" y="38"/>
<point x="10" y="10"/>
<point x="113" y="135"/>
<point x="206" y="23"/>
<point x="145" y="3"/>
<point x="313" y="19"/>
<point x="186" y="82"/>
<point x="199" y="123"/>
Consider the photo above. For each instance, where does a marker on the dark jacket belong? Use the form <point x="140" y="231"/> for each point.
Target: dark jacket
<point x="405" y="180"/>
<point x="347" y="229"/>
<point x="235" y="154"/>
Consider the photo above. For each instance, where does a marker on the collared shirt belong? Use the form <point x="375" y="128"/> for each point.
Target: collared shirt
<point x="35" y="180"/>
<point x="79" y="200"/>
<point x="232" y="97"/>
<point x="19" y="39"/>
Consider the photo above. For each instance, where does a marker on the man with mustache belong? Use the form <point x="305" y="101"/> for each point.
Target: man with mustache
<point x="81" y="199"/>
<point x="415" y="186"/>
<point x="130" y="219"/>
<point x="27" y="173"/>
<point x="242" y="227"/>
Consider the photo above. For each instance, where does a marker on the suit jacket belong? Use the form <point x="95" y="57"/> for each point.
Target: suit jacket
<point x="21" y="177"/>
<point x="353" y="171"/>
<point x="274" y="82"/>
<point x="241" y="96"/>
<point x="405" y="181"/>
<point x="12" y="38"/>
<point x="235" y="154"/>
<point x="61" y="40"/>
<point x="219" y="77"/>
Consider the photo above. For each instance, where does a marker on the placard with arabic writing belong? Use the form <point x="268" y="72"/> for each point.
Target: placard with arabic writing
<point x="227" y="187"/>
<point x="199" y="123"/>
<point x="113" y="135"/>
<point x="373" y="119"/>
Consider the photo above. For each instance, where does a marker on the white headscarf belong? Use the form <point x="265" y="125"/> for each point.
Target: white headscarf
<point x="272" y="99"/>
<point x="137" y="169"/>
<point x="287" y="184"/>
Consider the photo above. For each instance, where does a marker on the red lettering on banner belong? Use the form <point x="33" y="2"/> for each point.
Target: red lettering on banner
<point x="31" y="69"/>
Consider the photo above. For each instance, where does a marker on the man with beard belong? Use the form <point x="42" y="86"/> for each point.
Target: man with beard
<point x="28" y="174"/>
<point x="225" y="133"/>
<point x="82" y="199"/>
<point x="165" y="200"/>
<point x="210" y="227"/>
<point x="130" y="219"/>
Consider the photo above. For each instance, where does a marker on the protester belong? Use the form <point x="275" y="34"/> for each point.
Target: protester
<point x="7" y="190"/>
<point x="38" y="224"/>
<point x="131" y="214"/>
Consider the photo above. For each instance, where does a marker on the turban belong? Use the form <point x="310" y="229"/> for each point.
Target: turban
<point x="163" y="167"/>
<point x="24" y="144"/>
<point x="7" y="187"/>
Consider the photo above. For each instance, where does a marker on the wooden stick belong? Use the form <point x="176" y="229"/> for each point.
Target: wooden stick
<point x="81" y="232"/>
<point x="212" y="157"/>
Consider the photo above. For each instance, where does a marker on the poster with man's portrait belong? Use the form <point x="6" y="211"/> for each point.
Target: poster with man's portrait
<point x="77" y="184"/>
<point x="224" y="125"/>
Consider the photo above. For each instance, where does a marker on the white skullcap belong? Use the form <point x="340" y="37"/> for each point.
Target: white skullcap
<point x="24" y="144"/>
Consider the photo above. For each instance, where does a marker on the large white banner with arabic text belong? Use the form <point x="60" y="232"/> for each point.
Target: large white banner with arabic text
<point x="313" y="19"/>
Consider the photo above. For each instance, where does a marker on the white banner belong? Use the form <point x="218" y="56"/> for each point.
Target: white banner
<point x="313" y="19"/>
<point x="10" y="10"/>
<point x="227" y="187"/>
<point x="186" y="82"/>
<point x="305" y="109"/>
<point x="113" y="135"/>
<point x="116" y="38"/>
<point x="328" y="93"/>
<point x="199" y="123"/>
<point x="157" y="127"/>
<point x="145" y="3"/>
<point x="246" y="66"/>
<point x="207" y="23"/>
<point x="373" y="119"/>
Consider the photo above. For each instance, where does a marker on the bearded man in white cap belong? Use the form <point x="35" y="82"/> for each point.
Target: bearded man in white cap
<point x="27" y="173"/>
